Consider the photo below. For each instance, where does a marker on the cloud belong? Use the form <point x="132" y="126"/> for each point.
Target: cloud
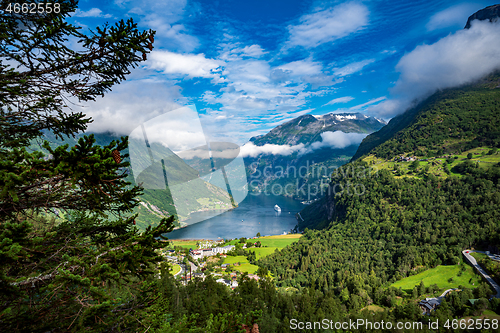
<point x="164" y="17"/>
<point x="252" y="85"/>
<point x="370" y="102"/>
<point x="307" y="70"/>
<point x="234" y="52"/>
<point x="94" y="12"/>
<point x="454" y="60"/>
<point x="189" y="65"/>
<point x="352" y="67"/>
<point x="179" y="130"/>
<point x="253" y="51"/>
<point x="328" y="25"/>
<point x="171" y="36"/>
<point x="251" y="150"/>
<point x="344" y="99"/>
<point x="128" y="105"/>
<point x="455" y="15"/>
<point x="337" y="139"/>
<point x="302" y="67"/>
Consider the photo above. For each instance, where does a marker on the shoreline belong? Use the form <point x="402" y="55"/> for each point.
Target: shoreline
<point x="222" y="239"/>
<point x="199" y="211"/>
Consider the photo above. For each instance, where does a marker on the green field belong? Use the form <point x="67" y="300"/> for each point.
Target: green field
<point x="279" y="241"/>
<point x="440" y="276"/>
<point x="479" y="256"/>
<point x="235" y="259"/>
<point x="244" y="266"/>
<point x="187" y="244"/>
<point x="247" y="267"/>
<point x="175" y="269"/>
<point x="490" y="314"/>
<point x="263" y="251"/>
<point x="269" y="245"/>
<point x="435" y="164"/>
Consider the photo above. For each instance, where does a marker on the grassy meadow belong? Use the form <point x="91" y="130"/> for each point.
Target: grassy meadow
<point x="441" y="276"/>
<point x="435" y="165"/>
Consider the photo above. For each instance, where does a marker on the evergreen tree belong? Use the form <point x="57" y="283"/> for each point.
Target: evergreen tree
<point x="414" y="293"/>
<point x="88" y="271"/>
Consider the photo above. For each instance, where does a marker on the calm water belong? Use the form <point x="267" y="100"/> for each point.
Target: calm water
<point x="257" y="213"/>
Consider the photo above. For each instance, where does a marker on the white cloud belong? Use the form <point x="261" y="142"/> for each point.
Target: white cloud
<point x="302" y="67"/>
<point x="344" y="99"/>
<point x="456" y="59"/>
<point x="455" y="15"/>
<point x="370" y="102"/>
<point x="352" y="67"/>
<point x="190" y="65"/>
<point x="164" y="17"/>
<point x="170" y="36"/>
<point x="235" y="51"/>
<point x="172" y="10"/>
<point x="254" y="51"/>
<point x="254" y="86"/>
<point x="128" y="105"/>
<point x="251" y="150"/>
<point x="179" y="130"/>
<point x="328" y="25"/>
<point x="94" y="12"/>
<point x="307" y="70"/>
<point x="337" y="139"/>
<point x="388" y="52"/>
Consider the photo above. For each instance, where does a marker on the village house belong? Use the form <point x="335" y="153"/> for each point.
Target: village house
<point x="229" y="283"/>
<point x="198" y="254"/>
<point x="224" y="249"/>
<point x="428" y="304"/>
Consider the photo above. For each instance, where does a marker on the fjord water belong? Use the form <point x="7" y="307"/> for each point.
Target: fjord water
<point x="254" y="214"/>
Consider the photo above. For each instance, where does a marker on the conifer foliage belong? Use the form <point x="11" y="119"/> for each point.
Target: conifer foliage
<point x="91" y="269"/>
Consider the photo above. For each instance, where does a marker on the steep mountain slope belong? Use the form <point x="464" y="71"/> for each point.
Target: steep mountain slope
<point x="427" y="191"/>
<point x="155" y="204"/>
<point x="490" y="13"/>
<point x="445" y="125"/>
<point x="307" y="128"/>
<point x="315" y="146"/>
<point x="449" y="121"/>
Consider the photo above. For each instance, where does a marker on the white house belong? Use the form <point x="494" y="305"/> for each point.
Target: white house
<point x="224" y="249"/>
<point x="196" y="254"/>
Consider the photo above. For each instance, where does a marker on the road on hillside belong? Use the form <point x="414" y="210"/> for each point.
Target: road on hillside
<point x="488" y="278"/>
<point x="446" y="292"/>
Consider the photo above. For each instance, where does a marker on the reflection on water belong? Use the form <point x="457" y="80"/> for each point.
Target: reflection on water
<point x="254" y="214"/>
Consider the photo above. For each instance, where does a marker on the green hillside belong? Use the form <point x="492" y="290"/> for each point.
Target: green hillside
<point x="445" y="277"/>
<point x="192" y="196"/>
<point x="448" y="122"/>
<point x="414" y="201"/>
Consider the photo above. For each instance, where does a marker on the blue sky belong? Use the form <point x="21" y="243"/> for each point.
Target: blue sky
<point x="248" y="66"/>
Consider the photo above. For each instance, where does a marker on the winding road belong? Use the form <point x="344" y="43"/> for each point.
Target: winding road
<point x="481" y="270"/>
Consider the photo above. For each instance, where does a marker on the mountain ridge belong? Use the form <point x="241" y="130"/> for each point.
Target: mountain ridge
<point x="311" y="126"/>
<point x="491" y="13"/>
<point x="395" y="129"/>
<point x="313" y="141"/>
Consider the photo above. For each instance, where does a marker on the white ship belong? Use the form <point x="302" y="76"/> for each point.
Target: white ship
<point x="277" y="208"/>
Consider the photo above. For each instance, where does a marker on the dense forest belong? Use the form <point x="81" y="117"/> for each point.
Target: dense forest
<point x="395" y="227"/>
